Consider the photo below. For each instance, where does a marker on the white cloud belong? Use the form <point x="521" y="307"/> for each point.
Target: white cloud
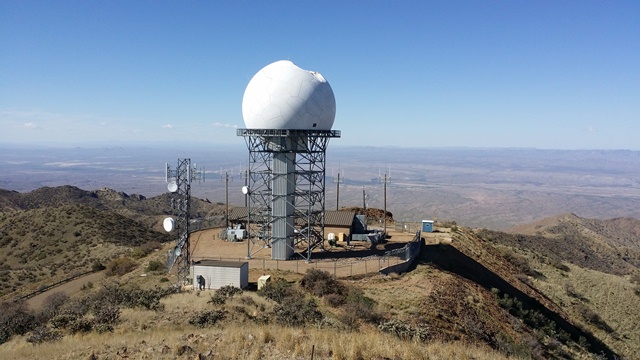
<point x="225" y="125"/>
<point x="29" y="125"/>
<point x="167" y="126"/>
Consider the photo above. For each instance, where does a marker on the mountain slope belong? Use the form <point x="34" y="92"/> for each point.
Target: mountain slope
<point x="39" y="245"/>
<point x="611" y="246"/>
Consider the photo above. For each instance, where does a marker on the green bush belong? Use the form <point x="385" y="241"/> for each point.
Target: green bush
<point x="43" y="334"/>
<point x="106" y="314"/>
<point x="229" y="291"/>
<point x="155" y="265"/>
<point x="405" y="331"/>
<point x="207" y="318"/>
<point x="296" y="311"/>
<point x="63" y="321"/>
<point x="80" y="325"/>
<point x="321" y="283"/>
<point x="103" y="328"/>
<point x="277" y="290"/>
<point x="130" y="297"/>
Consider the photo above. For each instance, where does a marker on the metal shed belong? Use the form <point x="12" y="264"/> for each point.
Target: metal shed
<point x="217" y="273"/>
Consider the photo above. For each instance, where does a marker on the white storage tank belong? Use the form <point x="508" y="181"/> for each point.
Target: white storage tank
<point x="218" y="273"/>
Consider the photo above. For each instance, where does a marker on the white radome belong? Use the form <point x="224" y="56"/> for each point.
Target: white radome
<point x="283" y="96"/>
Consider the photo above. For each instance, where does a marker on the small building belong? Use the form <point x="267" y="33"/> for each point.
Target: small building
<point x="427" y="226"/>
<point x="217" y="273"/>
<point x="339" y="222"/>
<point x="239" y="215"/>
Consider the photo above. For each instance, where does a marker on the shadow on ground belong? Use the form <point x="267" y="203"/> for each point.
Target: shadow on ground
<point x="450" y="259"/>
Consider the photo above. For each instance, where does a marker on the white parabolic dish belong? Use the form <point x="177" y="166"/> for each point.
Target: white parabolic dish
<point x="168" y="224"/>
<point x="172" y="187"/>
<point x="283" y="96"/>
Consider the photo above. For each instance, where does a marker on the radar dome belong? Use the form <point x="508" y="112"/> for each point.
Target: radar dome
<point x="283" y="96"/>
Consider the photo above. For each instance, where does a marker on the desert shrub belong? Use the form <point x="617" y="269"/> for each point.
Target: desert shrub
<point x="80" y="325"/>
<point x="97" y="266"/>
<point x="297" y="311"/>
<point x="103" y="328"/>
<point x="246" y="300"/>
<point x="506" y="345"/>
<point x="130" y="297"/>
<point x="15" y="319"/>
<point x="43" y="334"/>
<point x="277" y="290"/>
<point x="207" y="318"/>
<point x="63" y="321"/>
<point x="52" y="305"/>
<point x="229" y="291"/>
<point x="217" y="299"/>
<point x="75" y="306"/>
<point x="321" y="283"/>
<point x="155" y="265"/>
<point x="120" y="266"/>
<point x="222" y="294"/>
<point x="334" y="300"/>
<point x="106" y="314"/>
<point x="163" y="280"/>
<point x="359" y="307"/>
<point x="404" y="331"/>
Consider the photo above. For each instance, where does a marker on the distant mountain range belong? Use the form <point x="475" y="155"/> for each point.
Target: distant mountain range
<point x="489" y="188"/>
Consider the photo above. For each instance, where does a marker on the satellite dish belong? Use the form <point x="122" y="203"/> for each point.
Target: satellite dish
<point x="177" y="251"/>
<point x="168" y="224"/>
<point x="245" y="190"/>
<point x="172" y="187"/>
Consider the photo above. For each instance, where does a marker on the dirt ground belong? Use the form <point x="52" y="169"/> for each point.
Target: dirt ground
<point x="341" y="260"/>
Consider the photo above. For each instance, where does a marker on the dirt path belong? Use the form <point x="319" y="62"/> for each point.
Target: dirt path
<point x="69" y="288"/>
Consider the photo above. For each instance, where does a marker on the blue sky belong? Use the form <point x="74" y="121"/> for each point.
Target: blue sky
<point x="543" y="74"/>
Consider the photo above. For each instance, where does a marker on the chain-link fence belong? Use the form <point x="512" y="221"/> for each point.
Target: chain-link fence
<point x="344" y="267"/>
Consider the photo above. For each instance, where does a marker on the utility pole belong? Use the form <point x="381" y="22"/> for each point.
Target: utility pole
<point x="385" y="180"/>
<point x="364" y="201"/>
<point x="385" y="204"/>
<point x="226" y="197"/>
<point x="338" y="192"/>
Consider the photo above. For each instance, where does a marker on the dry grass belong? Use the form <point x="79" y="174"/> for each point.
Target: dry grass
<point x="247" y="342"/>
<point x="609" y="296"/>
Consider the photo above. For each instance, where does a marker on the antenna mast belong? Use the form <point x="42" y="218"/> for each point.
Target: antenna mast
<point x="180" y="186"/>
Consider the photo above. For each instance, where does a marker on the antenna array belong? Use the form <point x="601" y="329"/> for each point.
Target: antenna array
<point x="179" y="185"/>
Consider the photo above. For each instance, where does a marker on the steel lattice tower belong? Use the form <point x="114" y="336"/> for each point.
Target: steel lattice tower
<point x="286" y="182"/>
<point x="182" y="176"/>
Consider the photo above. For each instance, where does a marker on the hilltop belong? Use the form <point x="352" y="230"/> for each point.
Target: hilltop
<point x="528" y="293"/>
